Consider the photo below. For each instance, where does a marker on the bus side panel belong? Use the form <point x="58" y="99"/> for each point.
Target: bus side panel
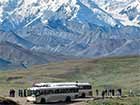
<point x="88" y="93"/>
<point x="60" y="97"/>
<point x="55" y="98"/>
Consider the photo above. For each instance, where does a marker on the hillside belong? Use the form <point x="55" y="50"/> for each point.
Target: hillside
<point x="79" y="28"/>
<point x="5" y="101"/>
<point x="118" y="72"/>
<point x="15" y="56"/>
<point x="19" y="55"/>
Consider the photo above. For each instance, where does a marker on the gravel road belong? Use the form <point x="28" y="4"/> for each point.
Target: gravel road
<point x="82" y="101"/>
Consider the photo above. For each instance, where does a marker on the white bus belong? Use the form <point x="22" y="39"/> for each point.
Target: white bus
<point x="52" y="94"/>
<point x="85" y="89"/>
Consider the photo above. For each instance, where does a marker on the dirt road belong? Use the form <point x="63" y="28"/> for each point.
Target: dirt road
<point x="22" y="101"/>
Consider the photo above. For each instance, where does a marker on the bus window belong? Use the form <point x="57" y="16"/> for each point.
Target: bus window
<point x="75" y="90"/>
<point x="85" y="87"/>
<point x="46" y="92"/>
<point x="42" y="92"/>
<point x="63" y="90"/>
<point x="38" y="93"/>
<point x="80" y="87"/>
<point x="71" y="90"/>
<point x="66" y="90"/>
<point x="57" y="91"/>
<point x="50" y="92"/>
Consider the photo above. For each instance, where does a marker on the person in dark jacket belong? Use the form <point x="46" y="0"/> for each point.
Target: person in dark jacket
<point x="20" y="92"/>
<point x="110" y="92"/>
<point x="113" y="92"/>
<point x="12" y="93"/>
<point x="119" y="92"/>
<point x="25" y="93"/>
<point x="97" y="92"/>
<point x="103" y="94"/>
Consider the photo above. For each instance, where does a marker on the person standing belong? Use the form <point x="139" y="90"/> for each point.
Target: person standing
<point x="25" y="93"/>
<point x="131" y="93"/>
<point x="20" y="92"/>
<point x="12" y="93"/>
<point x="113" y="92"/>
<point x="110" y="92"/>
<point x="97" y="92"/>
<point x="119" y="92"/>
<point x="103" y="94"/>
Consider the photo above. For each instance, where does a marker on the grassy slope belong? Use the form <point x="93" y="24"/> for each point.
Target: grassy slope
<point x="117" y="101"/>
<point x="102" y="73"/>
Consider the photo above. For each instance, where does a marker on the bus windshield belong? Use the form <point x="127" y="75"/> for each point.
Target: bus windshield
<point x="33" y="92"/>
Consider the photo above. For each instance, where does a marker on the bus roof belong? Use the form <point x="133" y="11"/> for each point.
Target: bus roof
<point x="52" y="87"/>
<point x="59" y="84"/>
<point x="83" y="83"/>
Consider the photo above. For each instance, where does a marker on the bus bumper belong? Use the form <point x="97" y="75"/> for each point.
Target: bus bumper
<point x="31" y="99"/>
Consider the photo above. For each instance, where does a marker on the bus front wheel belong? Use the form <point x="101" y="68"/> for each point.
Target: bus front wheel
<point x="43" y="101"/>
<point x="68" y="99"/>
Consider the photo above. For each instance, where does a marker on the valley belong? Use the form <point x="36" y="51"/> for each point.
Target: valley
<point x="115" y="72"/>
<point x="96" y="41"/>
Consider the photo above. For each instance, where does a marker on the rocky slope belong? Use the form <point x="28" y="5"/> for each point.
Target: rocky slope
<point x="82" y="28"/>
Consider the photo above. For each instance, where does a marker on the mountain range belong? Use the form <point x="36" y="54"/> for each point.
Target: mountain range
<point x="41" y="31"/>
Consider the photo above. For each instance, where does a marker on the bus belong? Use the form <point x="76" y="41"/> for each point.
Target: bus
<point x="85" y="89"/>
<point x="52" y="94"/>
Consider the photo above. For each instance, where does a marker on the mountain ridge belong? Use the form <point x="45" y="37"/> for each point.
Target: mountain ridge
<point x="73" y="28"/>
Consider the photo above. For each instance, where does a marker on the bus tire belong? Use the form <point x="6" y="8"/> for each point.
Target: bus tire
<point x="83" y="95"/>
<point x="68" y="99"/>
<point x="43" y="101"/>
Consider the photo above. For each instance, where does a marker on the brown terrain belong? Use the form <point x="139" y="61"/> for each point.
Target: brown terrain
<point x="22" y="101"/>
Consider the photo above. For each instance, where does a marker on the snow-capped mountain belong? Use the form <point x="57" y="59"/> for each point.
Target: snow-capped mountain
<point x="83" y="28"/>
<point x="126" y="11"/>
<point x="22" y="13"/>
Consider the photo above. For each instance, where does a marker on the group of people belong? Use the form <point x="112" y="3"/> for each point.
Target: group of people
<point x="21" y="93"/>
<point x="109" y="93"/>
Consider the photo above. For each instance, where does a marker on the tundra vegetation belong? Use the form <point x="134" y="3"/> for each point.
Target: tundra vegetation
<point x="115" y="72"/>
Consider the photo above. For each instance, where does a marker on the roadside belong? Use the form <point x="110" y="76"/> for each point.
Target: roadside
<point x="81" y="101"/>
<point x="89" y="101"/>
